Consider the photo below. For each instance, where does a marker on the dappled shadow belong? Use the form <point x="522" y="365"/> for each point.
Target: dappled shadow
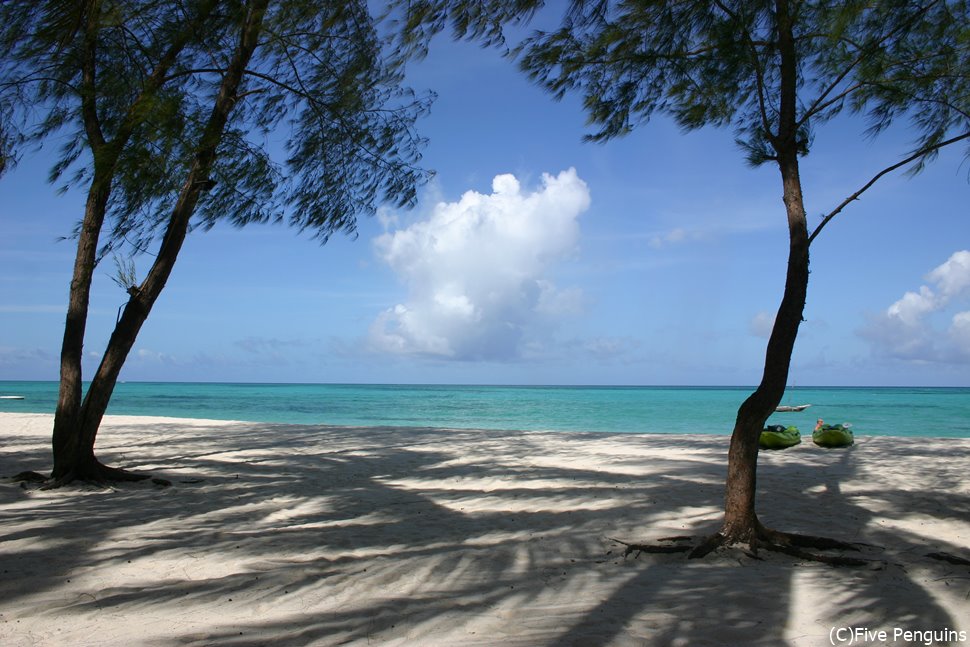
<point x="295" y="535"/>
<point x="677" y="601"/>
<point x="857" y="492"/>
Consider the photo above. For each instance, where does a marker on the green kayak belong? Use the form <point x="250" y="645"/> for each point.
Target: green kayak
<point x="779" y="437"/>
<point x="833" y="436"/>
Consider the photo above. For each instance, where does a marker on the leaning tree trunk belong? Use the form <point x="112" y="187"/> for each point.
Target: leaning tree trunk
<point x="76" y="459"/>
<point x="741" y="524"/>
<point x="740" y="520"/>
<point x="68" y="409"/>
<point x="105" y="157"/>
<point x="69" y="446"/>
<point x="74" y="456"/>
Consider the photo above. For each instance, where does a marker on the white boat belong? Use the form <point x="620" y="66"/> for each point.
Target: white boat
<point x="11" y="397"/>
<point x="784" y="408"/>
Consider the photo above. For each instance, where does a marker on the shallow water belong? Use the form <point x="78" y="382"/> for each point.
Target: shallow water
<point x="938" y="412"/>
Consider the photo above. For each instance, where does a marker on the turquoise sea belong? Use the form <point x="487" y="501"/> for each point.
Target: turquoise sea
<point x="943" y="412"/>
<point x="627" y="409"/>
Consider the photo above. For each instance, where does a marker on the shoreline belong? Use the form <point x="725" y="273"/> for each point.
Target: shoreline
<point x="895" y="412"/>
<point x="750" y="387"/>
<point x="293" y="534"/>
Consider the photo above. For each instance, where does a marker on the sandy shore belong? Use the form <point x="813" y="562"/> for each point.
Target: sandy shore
<point x="290" y="535"/>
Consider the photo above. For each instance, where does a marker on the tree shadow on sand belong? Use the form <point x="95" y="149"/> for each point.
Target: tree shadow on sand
<point x="291" y="535"/>
<point x="750" y="600"/>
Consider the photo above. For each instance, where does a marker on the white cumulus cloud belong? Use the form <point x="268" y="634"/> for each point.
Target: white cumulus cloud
<point x="959" y="335"/>
<point x="476" y="271"/>
<point x="906" y="329"/>
<point x="952" y="279"/>
<point x="761" y="324"/>
<point x="149" y="355"/>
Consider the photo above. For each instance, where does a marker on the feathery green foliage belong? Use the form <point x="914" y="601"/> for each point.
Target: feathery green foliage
<point x="180" y="113"/>
<point x="718" y="63"/>
<point x="322" y="132"/>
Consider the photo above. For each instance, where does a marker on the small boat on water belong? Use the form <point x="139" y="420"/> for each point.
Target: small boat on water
<point x="779" y="437"/>
<point x="11" y="397"/>
<point x="833" y="435"/>
<point x="784" y="408"/>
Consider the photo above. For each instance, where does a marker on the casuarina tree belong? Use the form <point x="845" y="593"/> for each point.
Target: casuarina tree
<point x="772" y="70"/>
<point x="174" y="115"/>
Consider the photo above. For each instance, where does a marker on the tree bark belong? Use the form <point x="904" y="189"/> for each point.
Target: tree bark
<point x="74" y="455"/>
<point x="69" y="393"/>
<point x="741" y="522"/>
<point x="740" y="519"/>
<point x="66" y="416"/>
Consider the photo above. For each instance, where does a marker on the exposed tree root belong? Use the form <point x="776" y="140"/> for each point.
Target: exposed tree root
<point x="790" y="544"/>
<point x="707" y="545"/>
<point x="652" y="548"/>
<point x="96" y="473"/>
<point x="92" y="472"/>
<point x="793" y="550"/>
<point x="28" y="477"/>
<point x="104" y="477"/>
<point x="950" y="559"/>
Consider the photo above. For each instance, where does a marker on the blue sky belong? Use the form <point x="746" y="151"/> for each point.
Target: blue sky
<point x="534" y="258"/>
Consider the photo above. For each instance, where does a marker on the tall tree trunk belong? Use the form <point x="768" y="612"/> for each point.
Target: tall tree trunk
<point x="81" y="462"/>
<point x="77" y="459"/>
<point x="740" y="519"/>
<point x="68" y="443"/>
<point x="67" y="413"/>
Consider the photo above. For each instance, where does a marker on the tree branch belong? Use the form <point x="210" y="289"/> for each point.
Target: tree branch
<point x="820" y="106"/>
<point x="821" y="103"/>
<point x="788" y="69"/>
<point x="760" y="79"/>
<point x="89" y="108"/>
<point x="889" y="169"/>
<point x="756" y="62"/>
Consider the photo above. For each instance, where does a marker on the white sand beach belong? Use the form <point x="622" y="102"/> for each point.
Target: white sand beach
<point x="301" y="535"/>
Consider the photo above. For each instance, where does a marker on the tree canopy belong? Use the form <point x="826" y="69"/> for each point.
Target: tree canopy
<point x="321" y="131"/>
<point x="773" y="71"/>
<point x="720" y="63"/>
<point x="182" y="113"/>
